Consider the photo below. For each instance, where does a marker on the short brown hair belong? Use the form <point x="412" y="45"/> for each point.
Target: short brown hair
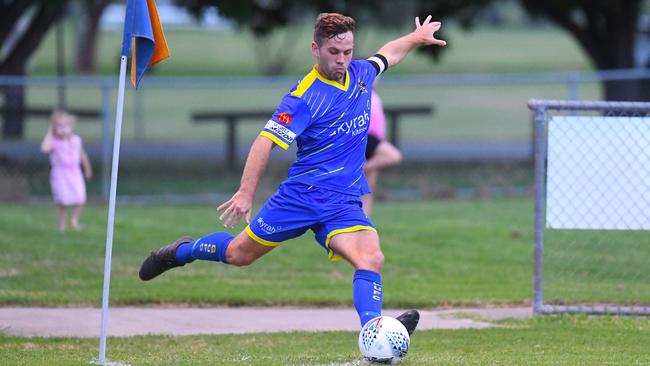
<point x="61" y="115"/>
<point x="329" y="25"/>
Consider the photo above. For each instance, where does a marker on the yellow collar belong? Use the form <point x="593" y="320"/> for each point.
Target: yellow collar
<point x="343" y="87"/>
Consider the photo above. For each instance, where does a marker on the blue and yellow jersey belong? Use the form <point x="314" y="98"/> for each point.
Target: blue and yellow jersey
<point x="329" y="123"/>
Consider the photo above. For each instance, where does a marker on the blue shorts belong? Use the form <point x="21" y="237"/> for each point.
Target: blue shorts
<point x="296" y="207"/>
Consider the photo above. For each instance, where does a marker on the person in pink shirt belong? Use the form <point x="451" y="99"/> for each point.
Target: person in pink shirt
<point x="379" y="152"/>
<point x="67" y="157"/>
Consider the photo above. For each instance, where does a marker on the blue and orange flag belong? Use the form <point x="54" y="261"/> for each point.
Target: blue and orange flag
<point x="143" y="38"/>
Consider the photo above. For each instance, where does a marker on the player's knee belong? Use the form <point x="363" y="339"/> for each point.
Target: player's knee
<point x="378" y="260"/>
<point x="239" y="258"/>
<point x="373" y="261"/>
<point x="397" y="158"/>
<point x="394" y="156"/>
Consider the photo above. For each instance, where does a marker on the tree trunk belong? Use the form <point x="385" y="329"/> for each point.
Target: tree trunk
<point x="86" y="53"/>
<point x="10" y="14"/>
<point x="86" y="60"/>
<point x="15" y="61"/>
<point x="13" y="114"/>
<point x="637" y="90"/>
<point x="606" y="30"/>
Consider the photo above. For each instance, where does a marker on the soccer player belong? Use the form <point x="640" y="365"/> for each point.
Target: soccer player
<point x="327" y="114"/>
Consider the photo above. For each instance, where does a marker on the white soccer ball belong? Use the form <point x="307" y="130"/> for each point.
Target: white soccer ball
<point x="384" y="340"/>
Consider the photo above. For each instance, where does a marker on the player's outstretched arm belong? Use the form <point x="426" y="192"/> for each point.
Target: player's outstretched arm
<point x="241" y="203"/>
<point x="423" y="35"/>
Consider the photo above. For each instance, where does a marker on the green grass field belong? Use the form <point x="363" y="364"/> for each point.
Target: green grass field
<point x="464" y="256"/>
<point x="557" y="340"/>
<point x="203" y="52"/>
<point x="448" y="252"/>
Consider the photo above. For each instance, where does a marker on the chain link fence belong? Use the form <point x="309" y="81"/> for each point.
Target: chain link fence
<point x="592" y="207"/>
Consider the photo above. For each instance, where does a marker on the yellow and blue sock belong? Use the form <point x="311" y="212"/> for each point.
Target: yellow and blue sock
<point x="367" y="294"/>
<point x="210" y="247"/>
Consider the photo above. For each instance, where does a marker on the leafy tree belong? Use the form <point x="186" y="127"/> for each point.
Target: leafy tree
<point x="605" y="29"/>
<point x="18" y="42"/>
<point x="263" y="17"/>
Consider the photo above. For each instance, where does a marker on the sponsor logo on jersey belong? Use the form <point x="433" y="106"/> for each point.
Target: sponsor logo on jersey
<point x="269" y="229"/>
<point x="285" y="118"/>
<point x="280" y="130"/>
<point x="356" y="125"/>
<point x="362" y="87"/>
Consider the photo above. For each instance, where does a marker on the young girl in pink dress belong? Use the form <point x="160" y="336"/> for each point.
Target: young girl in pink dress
<point x="67" y="157"/>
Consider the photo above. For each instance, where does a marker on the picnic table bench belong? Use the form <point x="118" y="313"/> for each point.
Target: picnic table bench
<point x="232" y="118"/>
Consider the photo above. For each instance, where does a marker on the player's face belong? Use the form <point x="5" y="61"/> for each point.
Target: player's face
<point x="334" y="55"/>
<point x="63" y="128"/>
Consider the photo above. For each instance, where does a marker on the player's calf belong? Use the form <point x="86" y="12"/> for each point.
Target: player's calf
<point x="212" y="247"/>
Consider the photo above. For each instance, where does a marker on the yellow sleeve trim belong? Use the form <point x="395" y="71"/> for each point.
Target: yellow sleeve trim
<point x="260" y="240"/>
<point x="305" y="83"/>
<point x="335" y="257"/>
<point x="275" y="139"/>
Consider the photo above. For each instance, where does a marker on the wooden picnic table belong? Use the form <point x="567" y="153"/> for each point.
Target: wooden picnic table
<point x="232" y="118"/>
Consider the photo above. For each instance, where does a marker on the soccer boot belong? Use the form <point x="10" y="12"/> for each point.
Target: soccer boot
<point x="410" y="320"/>
<point x="162" y="260"/>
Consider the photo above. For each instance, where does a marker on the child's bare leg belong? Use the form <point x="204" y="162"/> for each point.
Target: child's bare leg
<point x="60" y="213"/>
<point x="74" y="218"/>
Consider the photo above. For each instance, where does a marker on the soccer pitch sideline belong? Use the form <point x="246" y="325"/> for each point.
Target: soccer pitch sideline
<point x="438" y="253"/>
<point x="552" y="340"/>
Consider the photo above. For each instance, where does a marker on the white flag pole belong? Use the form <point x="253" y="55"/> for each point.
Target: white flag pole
<point x="111" y="210"/>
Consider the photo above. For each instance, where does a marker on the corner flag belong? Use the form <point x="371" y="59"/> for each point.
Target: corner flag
<point x="143" y="38"/>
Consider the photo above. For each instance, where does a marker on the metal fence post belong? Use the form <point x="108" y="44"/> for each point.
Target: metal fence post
<point x="231" y="143"/>
<point x="540" y="193"/>
<point x="573" y="88"/>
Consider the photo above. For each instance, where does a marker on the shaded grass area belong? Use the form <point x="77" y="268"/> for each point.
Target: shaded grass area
<point x="200" y="176"/>
<point x="152" y="177"/>
<point x="437" y="253"/>
<point x="201" y="52"/>
<point x="552" y="340"/>
<point x="463" y="112"/>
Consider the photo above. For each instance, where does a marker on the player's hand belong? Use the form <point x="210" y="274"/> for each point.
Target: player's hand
<point x="240" y="205"/>
<point x="426" y="32"/>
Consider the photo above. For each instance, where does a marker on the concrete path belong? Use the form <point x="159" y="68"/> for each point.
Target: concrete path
<point x="131" y="321"/>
